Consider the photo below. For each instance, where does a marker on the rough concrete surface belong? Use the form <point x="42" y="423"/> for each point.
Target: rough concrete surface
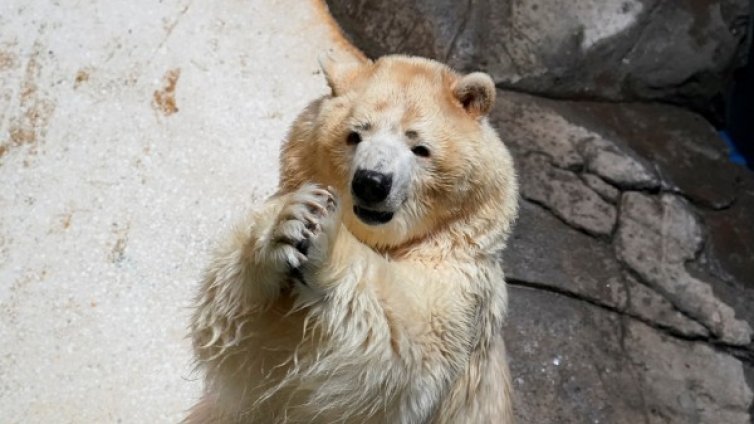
<point x="131" y="134"/>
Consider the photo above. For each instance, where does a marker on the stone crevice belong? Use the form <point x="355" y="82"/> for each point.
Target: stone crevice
<point x="461" y="28"/>
<point x="745" y="354"/>
<point x="635" y="275"/>
<point x="647" y="20"/>
<point x="621" y="311"/>
<point x="665" y="187"/>
<point x="623" y="331"/>
<point x="665" y="225"/>
<point x="604" y="237"/>
<point x="566" y="195"/>
<point x="669" y="188"/>
<point x="713" y="314"/>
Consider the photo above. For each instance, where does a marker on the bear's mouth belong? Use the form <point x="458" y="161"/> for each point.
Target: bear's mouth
<point x="372" y="217"/>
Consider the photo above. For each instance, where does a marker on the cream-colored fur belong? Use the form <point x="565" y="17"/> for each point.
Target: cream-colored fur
<point x="309" y="315"/>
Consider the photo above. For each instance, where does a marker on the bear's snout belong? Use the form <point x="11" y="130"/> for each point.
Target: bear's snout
<point x="371" y="187"/>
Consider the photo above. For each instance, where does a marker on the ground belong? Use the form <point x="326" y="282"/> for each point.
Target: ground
<point x="131" y="135"/>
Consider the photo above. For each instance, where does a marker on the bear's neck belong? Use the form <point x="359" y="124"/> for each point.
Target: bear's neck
<point x="478" y="235"/>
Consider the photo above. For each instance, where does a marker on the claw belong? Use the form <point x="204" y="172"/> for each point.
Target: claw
<point x="311" y="221"/>
<point x="324" y="193"/>
<point x="300" y="257"/>
<point x="316" y="207"/>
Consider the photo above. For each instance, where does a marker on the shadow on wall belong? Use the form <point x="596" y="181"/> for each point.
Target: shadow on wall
<point x="739" y="133"/>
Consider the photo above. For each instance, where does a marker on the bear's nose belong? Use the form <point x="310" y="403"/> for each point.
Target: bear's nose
<point x="370" y="186"/>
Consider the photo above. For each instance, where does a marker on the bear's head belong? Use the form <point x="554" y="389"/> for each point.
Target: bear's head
<point x="406" y="144"/>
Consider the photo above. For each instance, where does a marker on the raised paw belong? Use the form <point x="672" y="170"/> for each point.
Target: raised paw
<point x="300" y="230"/>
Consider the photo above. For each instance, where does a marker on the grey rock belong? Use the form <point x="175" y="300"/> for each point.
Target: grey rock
<point x="682" y="268"/>
<point x="570" y="132"/>
<point x="660" y="145"/>
<point x="572" y="362"/>
<point x="686" y="150"/>
<point x="617" y="167"/>
<point x="677" y="232"/>
<point x="618" y="141"/>
<point x="728" y="258"/>
<point x="687" y="382"/>
<point x="527" y="125"/>
<point x="607" y="191"/>
<point x="565" y="195"/>
<point x="648" y="305"/>
<point x="546" y="252"/>
<point x="559" y="130"/>
<point x="656" y="236"/>
<point x="611" y="49"/>
<point x="731" y="236"/>
<point x="567" y="362"/>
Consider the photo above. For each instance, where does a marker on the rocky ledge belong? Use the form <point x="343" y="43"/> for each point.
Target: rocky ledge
<point x="630" y="267"/>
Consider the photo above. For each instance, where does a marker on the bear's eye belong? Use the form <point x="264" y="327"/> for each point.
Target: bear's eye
<point x="353" y="138"/>
<point x="421" y="151"/>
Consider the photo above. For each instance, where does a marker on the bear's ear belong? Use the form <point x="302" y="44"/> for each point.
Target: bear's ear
<point x="341" y="72"/>
<point x="475" y="92"/>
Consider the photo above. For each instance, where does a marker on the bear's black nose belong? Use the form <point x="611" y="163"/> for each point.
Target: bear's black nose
<point x="371" y="187"/>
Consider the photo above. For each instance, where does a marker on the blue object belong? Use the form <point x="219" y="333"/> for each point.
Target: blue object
<point x="734" y="155"/>
<point x="739" y="127"/>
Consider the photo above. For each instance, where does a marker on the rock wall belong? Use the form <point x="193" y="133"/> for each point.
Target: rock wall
<point x="631" y="265"/>
<point x="679" y="51"/>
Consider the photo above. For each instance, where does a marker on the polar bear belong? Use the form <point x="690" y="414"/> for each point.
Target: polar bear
<point x="369" y="288"/>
